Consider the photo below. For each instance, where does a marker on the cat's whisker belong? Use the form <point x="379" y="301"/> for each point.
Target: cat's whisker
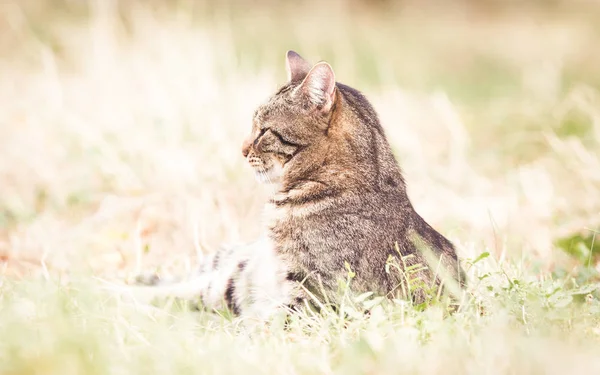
<point x="261" y="172"/>
<point x="265" y="174"/>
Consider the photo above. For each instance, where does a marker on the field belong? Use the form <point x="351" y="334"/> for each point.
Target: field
<point x="121" y="125"/>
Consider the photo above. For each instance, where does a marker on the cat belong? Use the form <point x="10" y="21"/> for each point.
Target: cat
<point x="340" y="207"/>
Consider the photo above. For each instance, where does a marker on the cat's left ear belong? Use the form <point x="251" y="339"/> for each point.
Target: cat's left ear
<point x="319" y="86"/>
<point x="297" y="68"/>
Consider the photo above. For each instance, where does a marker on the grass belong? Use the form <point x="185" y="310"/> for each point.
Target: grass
<point x="120" y="133"/>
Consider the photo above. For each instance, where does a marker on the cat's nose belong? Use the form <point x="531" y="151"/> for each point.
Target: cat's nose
<point x="246" y="147"/>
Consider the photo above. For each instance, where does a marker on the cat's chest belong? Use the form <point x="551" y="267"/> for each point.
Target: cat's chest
<point x="288" y="231"/>
<point x="287" y="222"/>
<point x="290" y="216"/>
<point x="274" y="216"/>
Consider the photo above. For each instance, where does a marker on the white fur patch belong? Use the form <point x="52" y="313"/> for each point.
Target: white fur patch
<point x="271" y="176"/>
<point x="260" y="289"/>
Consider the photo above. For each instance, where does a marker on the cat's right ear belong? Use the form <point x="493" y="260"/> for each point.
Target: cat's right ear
<point x="319" y="86"/>
<point x="297" y="68"/>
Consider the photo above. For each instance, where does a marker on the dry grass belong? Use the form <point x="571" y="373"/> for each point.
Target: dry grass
<point x="120" y="133"/>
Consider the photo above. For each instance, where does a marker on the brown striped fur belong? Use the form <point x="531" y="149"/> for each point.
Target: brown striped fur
<point x="340" y="199"/>
<point x="341" y="195"/>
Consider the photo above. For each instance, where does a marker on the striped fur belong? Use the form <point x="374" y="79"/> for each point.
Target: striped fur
<point x="340" y="201"/>
<point x="249" y="280"/>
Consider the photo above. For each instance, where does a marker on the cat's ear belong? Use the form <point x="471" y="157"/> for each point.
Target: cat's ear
<point x="297" y="68"/>
<point x="319" y="86"/>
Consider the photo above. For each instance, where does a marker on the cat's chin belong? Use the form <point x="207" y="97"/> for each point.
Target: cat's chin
<point x="270" y="176"/>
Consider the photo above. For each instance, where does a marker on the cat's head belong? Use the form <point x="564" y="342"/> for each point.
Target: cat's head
<point x="292" y="120"/>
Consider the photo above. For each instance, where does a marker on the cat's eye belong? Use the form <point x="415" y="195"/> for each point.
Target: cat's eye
<point x="260" y="134"/>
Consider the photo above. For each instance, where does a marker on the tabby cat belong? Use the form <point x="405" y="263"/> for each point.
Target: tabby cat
<point x="340" y="207"/>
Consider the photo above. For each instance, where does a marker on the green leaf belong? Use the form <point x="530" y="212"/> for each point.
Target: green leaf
<point x="586" y="289"/>
<point x="351" y="274"/>
<point x="481" y="257"/>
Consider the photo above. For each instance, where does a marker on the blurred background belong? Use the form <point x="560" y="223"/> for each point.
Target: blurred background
<point x="121" y="123"/>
